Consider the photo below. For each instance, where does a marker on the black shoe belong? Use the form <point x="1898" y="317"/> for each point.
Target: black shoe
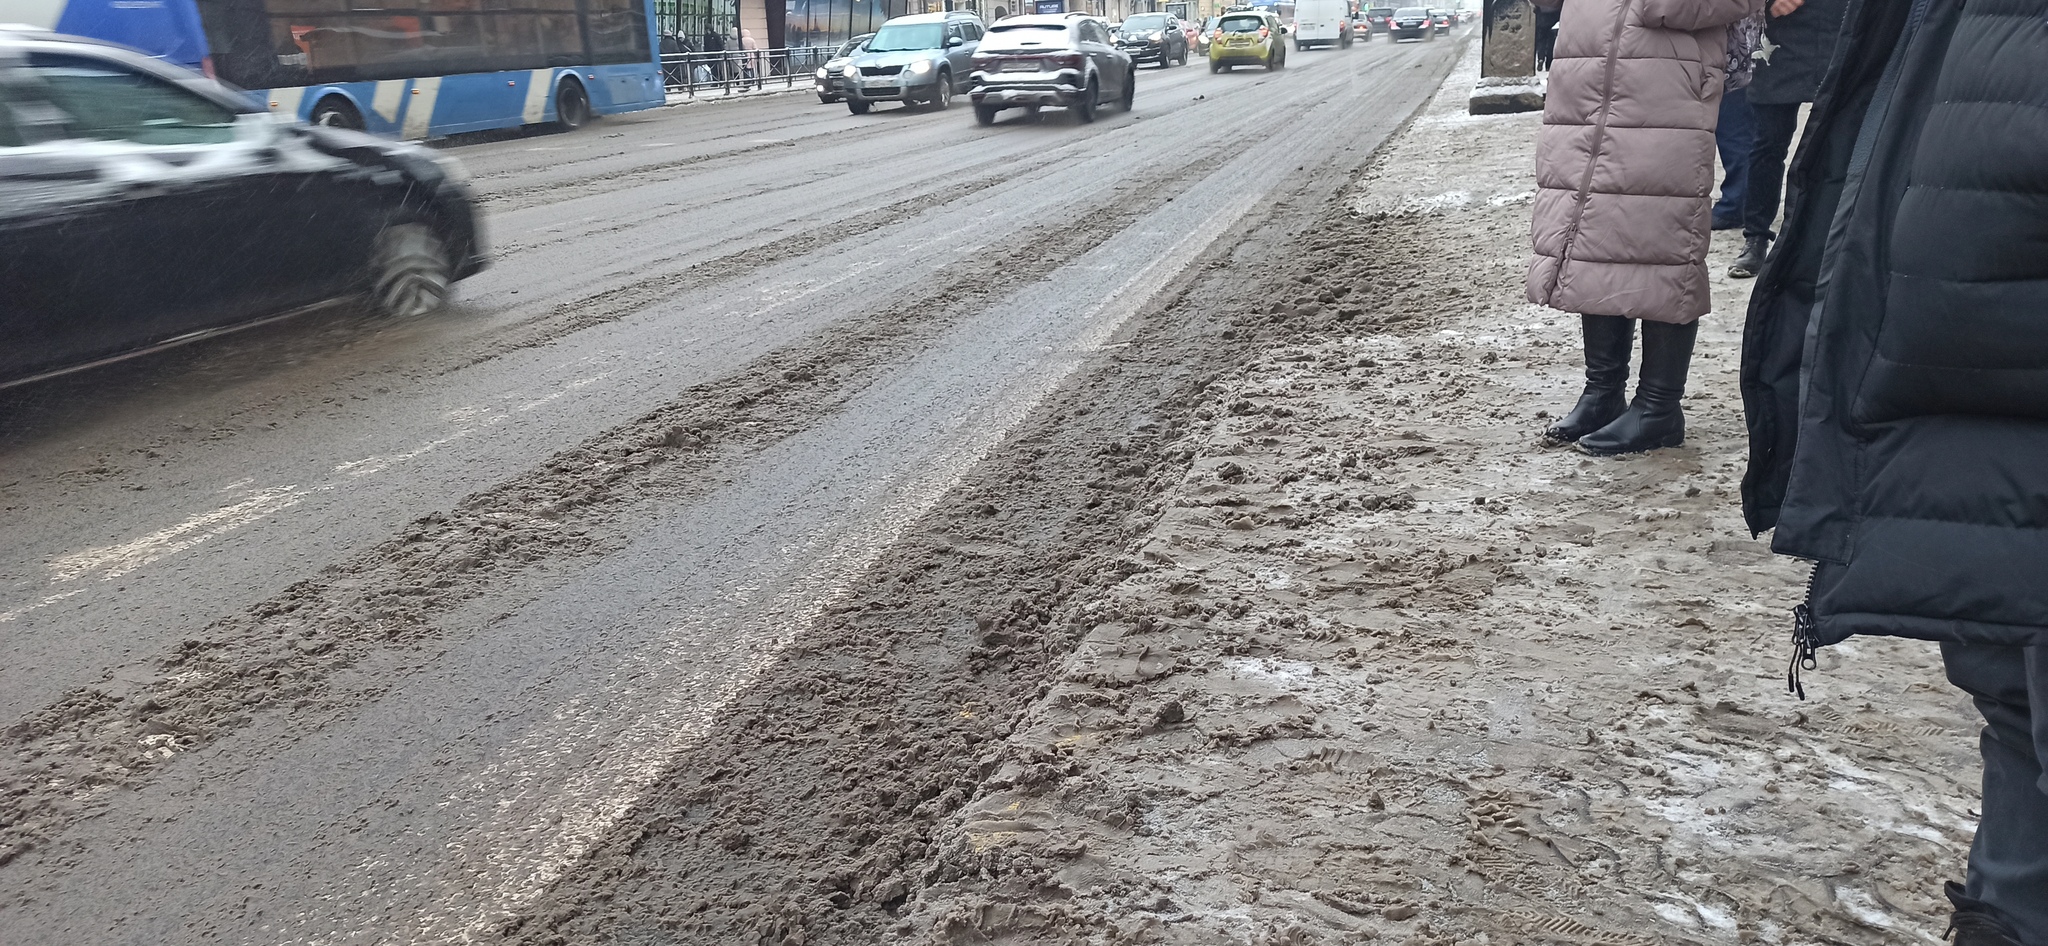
<point x="1973" y="922"/>
<point x="1608" y="341"/>
<point x="1751" y="262"/>
<point x="1654" y="420"/>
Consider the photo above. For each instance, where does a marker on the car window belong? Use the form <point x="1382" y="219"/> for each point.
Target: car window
<point x="1242" y="24"/>
<point x="1145" y="23"/>
<point x="1411" y="11"/>
<point x="1027" y="34"/>
<point x="103" y="101"/>
<point x="904" y="37"/>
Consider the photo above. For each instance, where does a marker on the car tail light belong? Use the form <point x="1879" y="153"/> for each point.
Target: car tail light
<point x="984" y="63"/>
<point x="1066" y="60"/>
<point x="1263" y="33"/>
<point x="1216" y="34"/>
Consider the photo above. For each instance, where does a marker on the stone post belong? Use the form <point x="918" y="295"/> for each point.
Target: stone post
<point x="1507" y="60"/>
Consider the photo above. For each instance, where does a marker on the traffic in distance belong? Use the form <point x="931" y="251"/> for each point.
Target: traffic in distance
<point x="160" y="161"/>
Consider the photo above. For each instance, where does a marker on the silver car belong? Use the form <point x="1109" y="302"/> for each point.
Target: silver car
<point x="923" y="58"/>
<point x="830" y="84"/>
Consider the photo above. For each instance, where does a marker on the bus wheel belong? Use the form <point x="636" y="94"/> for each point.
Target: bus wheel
<point x="572" y="106"/>
<point x="410" y="270"/>
<point x="336" y="112"/>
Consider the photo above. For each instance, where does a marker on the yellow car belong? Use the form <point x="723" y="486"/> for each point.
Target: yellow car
<point x="1248" y="38"/>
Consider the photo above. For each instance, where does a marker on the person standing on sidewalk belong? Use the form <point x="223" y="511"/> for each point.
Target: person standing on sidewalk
<point x="1624" y="169"/>
<point x="1895" y="379"/>
<point x="1736" y="130"/>
<point x="1799" y="39"/>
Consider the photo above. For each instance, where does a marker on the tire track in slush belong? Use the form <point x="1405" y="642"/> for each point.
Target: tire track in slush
<point x="70" y="757"/>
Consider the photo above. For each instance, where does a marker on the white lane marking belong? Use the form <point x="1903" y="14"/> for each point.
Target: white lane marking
<point x="419" y="108"/>
<point x="113" y="561"/>
<point x="389" y="95"/>
<point x="538" y="84"/>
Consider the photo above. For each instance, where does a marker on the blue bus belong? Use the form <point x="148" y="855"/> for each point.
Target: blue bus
<point x="402" y="68"/>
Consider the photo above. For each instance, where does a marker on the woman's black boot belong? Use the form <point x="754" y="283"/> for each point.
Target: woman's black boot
<point x="1609" y="339"/>
<point x="1654" y="420"/>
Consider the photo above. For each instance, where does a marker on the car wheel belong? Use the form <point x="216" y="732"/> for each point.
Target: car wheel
<point x="336" y="112"/>
<point x="572" y="106"/>
<point x="858" y="106"/>
<point x="410" y="271"/>
<point x="1130" y="95"/>
<point x="1272" y="60"/>
<point x="1215" y="68"/>
<point x="825" y="100"/>
<point x="1084" y="108"/>
<point x="985" y="114"/>
<point x="944" y="96"/>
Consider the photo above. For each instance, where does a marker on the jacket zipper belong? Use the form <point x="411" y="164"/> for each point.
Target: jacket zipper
<point x="1805" y="635"/>
<point x="1584" y="192"/>
<point x="1805" y="638"/>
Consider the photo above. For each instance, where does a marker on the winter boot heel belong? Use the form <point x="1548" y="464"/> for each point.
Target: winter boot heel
<point x="1608" y="341"/>
<point x="1654" y="420"/>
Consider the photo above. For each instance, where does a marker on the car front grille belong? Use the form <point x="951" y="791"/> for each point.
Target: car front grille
<point x="880" y="70"/>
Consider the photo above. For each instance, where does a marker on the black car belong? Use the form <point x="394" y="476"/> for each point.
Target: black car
<point x="1154" y="37"/>
<point x="142" y="206"/>
<point x="1411" y="23"/>
<point x="1381" y="18"/>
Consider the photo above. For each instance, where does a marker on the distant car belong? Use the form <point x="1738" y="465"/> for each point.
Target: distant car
<point x="1410" y="23"/>
<point x="143" y="205"/>
<point x="1441" y="20"/>
<point x="923" y="58"/>
<point x="1381" y="18"/>
<point x="1155" y="37"/>
<point x="1068" y="61"/>
<point x="829" y="82"/>
<point x="1248" y="38"/>
<point x="1202" y="34"/>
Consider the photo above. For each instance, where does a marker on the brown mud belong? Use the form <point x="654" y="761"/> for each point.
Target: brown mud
<point x="1386" y="669"/>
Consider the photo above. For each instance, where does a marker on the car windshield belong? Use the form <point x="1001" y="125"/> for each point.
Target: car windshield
<point x="850" y="47"/>
<point x="903" y="37"/>
<point x="1145" y="23"/>
<point x="1242" y="24"/>
<point x="1024" y="34"/>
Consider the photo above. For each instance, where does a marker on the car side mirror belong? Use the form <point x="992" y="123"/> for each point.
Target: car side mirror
<point x="952" y="41"/>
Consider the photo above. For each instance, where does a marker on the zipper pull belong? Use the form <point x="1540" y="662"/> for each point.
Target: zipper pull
<point x="1804" y="649"/>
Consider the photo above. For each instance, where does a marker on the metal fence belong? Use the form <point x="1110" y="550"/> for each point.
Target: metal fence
<point x="741" y="70"/>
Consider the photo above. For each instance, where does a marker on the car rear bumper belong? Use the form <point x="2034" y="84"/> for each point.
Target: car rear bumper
<point x="1020" y="94"/>
<point x="1413" y="32"/>
<point x="1237" y="56"/>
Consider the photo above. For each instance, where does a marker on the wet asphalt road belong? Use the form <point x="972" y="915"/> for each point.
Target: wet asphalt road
<point x="882" y="297"/>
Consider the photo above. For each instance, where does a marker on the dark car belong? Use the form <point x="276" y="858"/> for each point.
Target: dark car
<point x="143" y="205"/>
<point x="1154" y="37"/>
<point x="1070" y="61"/>
<point x="1410" y="23"/>
<point x="829" y="81"/>
<point x="1441" y="19"/>
<point x="1381" y="18"/>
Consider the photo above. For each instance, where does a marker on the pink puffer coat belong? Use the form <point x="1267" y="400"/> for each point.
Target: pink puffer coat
<point x="1625" y="163"/>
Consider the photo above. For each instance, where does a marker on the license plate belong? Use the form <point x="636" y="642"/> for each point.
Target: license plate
<point x="1020" y="66"/>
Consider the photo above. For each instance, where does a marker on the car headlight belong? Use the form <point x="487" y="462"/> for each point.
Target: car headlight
<point x="921" y="66"/>
<point x="1155" y="34"/>
<point x="850" y="71"/>
<point x="821" y="72"/>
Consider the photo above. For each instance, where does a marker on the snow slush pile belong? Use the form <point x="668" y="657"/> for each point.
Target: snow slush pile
<point x="1388" y="670"/>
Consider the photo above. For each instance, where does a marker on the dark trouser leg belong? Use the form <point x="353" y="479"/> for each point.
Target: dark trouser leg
<point x="1775" y="126"/>
<point x="1734" y="135"/>
<point x="2009" y="858"/>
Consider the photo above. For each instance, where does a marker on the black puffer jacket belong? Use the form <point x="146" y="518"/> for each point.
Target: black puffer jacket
<point x="1895" y="361"/>
<point x="1802" y="43"/>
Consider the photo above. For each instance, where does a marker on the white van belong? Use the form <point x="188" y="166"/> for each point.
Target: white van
<point x="1321" y="23"/>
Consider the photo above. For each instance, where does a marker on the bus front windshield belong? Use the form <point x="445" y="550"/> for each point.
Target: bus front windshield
<point x="908" y="37"/>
